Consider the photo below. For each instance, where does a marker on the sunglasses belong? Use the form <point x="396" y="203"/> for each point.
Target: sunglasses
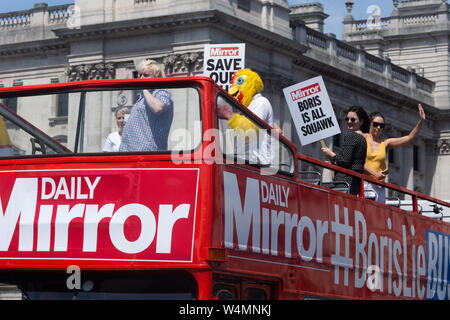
<point x="377" y="124"/>
<point x="146" y="75"/>
<point x="350" y="119"/>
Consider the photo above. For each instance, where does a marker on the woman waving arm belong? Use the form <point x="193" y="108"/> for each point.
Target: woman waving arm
<point x="392" y="143"/>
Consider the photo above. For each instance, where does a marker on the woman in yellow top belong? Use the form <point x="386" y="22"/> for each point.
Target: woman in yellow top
<point x="375" y="165"/>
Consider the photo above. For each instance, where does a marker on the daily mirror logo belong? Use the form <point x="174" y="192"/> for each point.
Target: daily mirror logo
<point x="305" y="92"/>
<point x="224" y="51"/>
<point x="109" y="214"/>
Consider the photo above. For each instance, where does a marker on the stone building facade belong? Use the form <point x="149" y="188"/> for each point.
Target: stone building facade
<point x="285" y="45"/>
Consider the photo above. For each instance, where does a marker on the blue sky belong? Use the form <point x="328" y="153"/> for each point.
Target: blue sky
<point x="337" y="11"/>
<point x="333" y="24"/>
<point x="16" y="5"/>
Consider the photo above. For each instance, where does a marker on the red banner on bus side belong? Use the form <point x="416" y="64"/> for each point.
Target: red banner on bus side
<point x="98" y="214"/>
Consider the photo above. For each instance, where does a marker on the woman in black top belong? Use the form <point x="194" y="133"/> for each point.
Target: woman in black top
<point x="353" y="152"/>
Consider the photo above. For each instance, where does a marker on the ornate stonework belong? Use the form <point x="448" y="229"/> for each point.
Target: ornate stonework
<point x="91" y="71"/>
<point x="183" y="64"/>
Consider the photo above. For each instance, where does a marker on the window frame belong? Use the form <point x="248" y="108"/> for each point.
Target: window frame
<point x="38" y="134"/>
<point x="261" y="124"/>
<point x="244" y="5"/>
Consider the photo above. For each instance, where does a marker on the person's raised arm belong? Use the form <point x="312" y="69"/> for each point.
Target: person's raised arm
<point x="155" y="105"/>
<point x="392" y="143"/>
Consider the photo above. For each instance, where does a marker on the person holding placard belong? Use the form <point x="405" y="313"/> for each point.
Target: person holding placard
<point x="375" y="166"/>
<point x="352" y="155"/>
<point x="246" y="87"/>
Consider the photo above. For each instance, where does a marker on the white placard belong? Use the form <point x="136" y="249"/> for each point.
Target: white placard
<point x="221" y="61"/>
<point x="311" y="110"/>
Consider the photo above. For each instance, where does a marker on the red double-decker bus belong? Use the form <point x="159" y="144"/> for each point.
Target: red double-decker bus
<point x="218" y="214"/>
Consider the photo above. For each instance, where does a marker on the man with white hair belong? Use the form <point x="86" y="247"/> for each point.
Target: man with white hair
<point x="148" y="126"/>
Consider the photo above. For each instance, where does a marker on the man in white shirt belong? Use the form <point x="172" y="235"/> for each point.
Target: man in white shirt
<point x="246" y="87"/>
<point x="262" y="108"/>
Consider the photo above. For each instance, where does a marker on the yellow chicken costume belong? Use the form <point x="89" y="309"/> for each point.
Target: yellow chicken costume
<point x="244" y="85"/>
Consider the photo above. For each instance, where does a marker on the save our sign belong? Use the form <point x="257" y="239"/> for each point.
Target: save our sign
<point x="311" y="110"/>
<point x="221" y="61"/>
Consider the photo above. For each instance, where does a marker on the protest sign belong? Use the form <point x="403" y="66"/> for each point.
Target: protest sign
<point x="221" y="61"/>
<point x="311" y="110"/>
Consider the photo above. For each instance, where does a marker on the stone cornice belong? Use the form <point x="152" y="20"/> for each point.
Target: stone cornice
<point x="334" y="74"/>
<point x="135" y="26"/>
<point x="34" y="47"/>
<point x="251" y="33"/>
<point x="157" y="24"/>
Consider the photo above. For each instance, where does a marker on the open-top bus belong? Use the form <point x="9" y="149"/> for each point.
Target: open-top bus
<point x="205" y="219"/>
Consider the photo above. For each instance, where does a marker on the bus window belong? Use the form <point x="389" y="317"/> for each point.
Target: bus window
<point x="20" y="138"/>
<point x="251" y="143"/>
<point x="176" y="128"/>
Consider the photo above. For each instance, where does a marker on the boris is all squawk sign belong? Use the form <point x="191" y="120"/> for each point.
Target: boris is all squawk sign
<point x="221" y="61"/>
<point x="311" y="110"/>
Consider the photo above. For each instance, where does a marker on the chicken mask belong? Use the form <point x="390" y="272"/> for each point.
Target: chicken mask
<point x="244" y="85"/>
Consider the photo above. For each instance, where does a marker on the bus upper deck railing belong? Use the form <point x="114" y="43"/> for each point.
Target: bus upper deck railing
<point x="414" y="194"/>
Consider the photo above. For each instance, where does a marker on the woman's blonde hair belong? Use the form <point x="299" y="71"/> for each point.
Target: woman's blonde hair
<point x="123" y="110"/>
<point x="152" y="66"/>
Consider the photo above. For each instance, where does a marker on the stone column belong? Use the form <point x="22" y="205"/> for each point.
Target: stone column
<point x="441" y="179"/>
<point x="348" y="20"/>
<point x="408" y="167"/>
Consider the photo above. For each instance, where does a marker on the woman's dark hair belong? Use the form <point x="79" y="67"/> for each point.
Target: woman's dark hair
<point x="375" y="114"/>
<point x="362" y="115"/>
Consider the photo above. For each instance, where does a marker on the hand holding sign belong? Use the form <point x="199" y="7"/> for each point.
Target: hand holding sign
<point x="324" y="147"/>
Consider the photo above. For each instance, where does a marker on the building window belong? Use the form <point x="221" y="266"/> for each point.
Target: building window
<point x="61" y="139"/>
<point x="416" y="163"/>
<point x="11" y="103"/>
<point x="62" y="103"/>
<point x="391" y="156"/>
<point x="244" y="5"/>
